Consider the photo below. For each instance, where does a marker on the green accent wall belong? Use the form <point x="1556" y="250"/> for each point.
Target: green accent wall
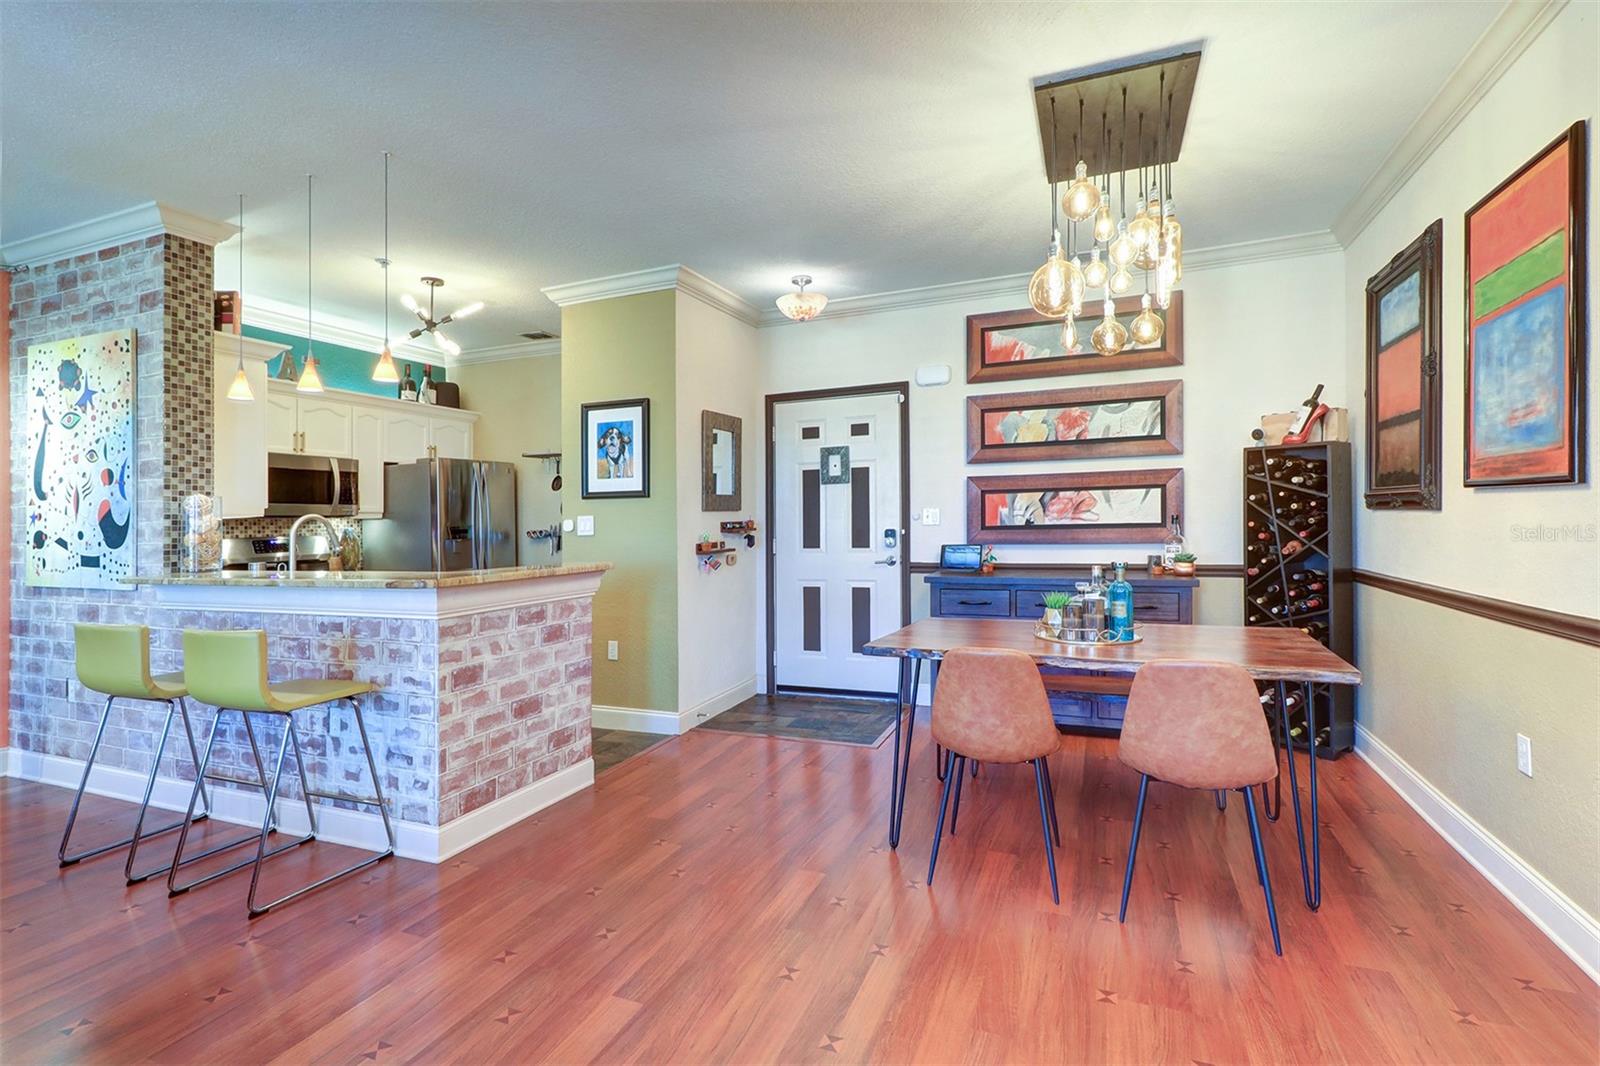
<point x="617" y="350"/>
<point x="341" y="368"/>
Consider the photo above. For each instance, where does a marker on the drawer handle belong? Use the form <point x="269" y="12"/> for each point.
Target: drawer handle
<point x="974" y="603"/>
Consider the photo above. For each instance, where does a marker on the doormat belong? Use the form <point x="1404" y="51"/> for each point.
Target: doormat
<point x="858" y="723"/>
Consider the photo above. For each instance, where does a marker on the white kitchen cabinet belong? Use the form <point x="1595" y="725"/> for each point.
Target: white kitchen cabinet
<point x="325" y="426"/>
<point x="407" y="435"/>
<point x="283" y="420"/>
<point x="451" y="439"/>
<point x="239" y="440"/>
<point x="367" y="437"/>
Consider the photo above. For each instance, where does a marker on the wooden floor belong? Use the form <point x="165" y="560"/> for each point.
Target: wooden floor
<point x="721" y="898"/>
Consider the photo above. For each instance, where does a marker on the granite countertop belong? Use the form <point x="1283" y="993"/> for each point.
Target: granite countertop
<point x="370" y="579"/>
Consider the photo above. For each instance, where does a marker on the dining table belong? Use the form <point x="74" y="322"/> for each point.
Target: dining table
<point x="1282" y="656"/>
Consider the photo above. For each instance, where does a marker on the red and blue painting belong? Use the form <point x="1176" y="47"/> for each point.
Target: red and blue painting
<point x="1526" y="299"/>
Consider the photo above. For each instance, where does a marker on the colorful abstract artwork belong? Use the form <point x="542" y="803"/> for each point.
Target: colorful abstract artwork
<point x="1526" y="322"/>
<point x="1105" y="507"/>
<point x="1008" y="345"/>
<point x="617" y="436"/>
<point x="1145" y="418"/>
<point x="80" y="461"/>
<point x="1403" y="394"/>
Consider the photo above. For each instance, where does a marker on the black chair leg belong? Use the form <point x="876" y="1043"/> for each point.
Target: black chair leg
<point x="940" y="759"/>
<point x="1050" y="794"/>
<point x="1222" y="799"/>
<point x="1133" y="845"/>
<point x="944" y="802"/>
<point x="955" y="809"/>
<point x="1261" y="868"/>
<point x="1044" y="825"/>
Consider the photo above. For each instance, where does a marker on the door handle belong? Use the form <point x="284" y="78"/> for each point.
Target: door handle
<point x="887" y="560"/>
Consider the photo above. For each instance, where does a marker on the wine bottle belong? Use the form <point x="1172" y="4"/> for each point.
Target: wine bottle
<point x="427" y="393"/>
<point x="1302" y="417"/>
<point x="408" y="386"/>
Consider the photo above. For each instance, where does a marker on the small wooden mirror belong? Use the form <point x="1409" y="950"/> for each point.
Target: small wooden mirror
<point x="721" y="447"/>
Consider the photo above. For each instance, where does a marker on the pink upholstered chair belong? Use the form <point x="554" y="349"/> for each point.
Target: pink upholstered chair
<point x="1199" y="725"/>
<point x="990" y="706"/>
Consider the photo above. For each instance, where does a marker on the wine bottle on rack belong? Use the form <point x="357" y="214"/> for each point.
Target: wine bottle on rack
<point x="1291" y="548"/>
<point x="1306" y="576"/>
<point x="1316" y="631"/>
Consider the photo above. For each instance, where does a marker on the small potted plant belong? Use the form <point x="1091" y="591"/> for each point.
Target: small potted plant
<point x="1183" y="564"/>
<point x="1055" y="608"/>
<point x="986" y="563"/>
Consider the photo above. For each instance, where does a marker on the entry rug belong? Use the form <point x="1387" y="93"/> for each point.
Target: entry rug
<point x="858" y="723"/>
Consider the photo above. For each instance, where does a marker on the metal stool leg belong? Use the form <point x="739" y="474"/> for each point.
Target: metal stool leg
<point x="1044" y="823"/>
<point x="72" y="815"/>
<point x="1261" y="867"/>
<point x="1133" y="845"/>
<point x="1050" y="794"/>
<point x="944" y="802"/>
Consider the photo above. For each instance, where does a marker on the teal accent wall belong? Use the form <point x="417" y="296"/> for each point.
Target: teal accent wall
<point x="341" y="368"/>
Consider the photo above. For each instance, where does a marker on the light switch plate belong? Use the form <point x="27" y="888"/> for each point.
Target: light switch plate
<point x="568" y="525"/>
<point x="930" y="516"/>
<point x="1524" y="755"/>
<point x="611" y="650"/>
<point x="586" y="525"/>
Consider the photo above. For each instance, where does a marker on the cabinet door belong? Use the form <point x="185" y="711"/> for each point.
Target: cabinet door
<point x="239" y="441"/>
<point x="452" y="439"/>
<point x="282" y="421"/>
<point x="405" y="436"/>
<point x="367" y="449"/>
<point x="325" y="427"/>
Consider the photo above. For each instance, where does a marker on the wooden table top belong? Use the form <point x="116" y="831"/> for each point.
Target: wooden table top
<point x="1268" y="654"/>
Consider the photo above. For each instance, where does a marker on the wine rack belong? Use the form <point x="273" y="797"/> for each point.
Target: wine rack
<point x="1298" y="562"/>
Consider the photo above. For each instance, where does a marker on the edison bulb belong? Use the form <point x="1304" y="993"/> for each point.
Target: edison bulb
<point x="1050" y="289"/>
<point x="1143" y="230"/>
<point x="1172" y="233"/>
<point x="1147" y="326"/>
<point x="1069" y="335"/>
<point x="1105" y="227"/>
<point x="1094" y="271"/>
<point x="1110" y="336"/>
<point x="1082" y="196"/>
<point x="1075" y="286"/>
<point x="1122" y="249"/>
<point x="1165" y="275"/>
<point x="1120" y="282"/>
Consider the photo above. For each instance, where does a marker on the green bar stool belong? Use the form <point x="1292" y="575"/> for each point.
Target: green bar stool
<point x="115" y="661"/>
<point x="228" y="668"/>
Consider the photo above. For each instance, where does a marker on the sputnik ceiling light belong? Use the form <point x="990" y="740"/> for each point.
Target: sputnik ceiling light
<point x="800" y="305"/>
<point x="239" y="391"/>
<point x="430" y="325"/>
<point x="310" y="379"/>
<point x="1143" y="107"/>
<point x="385" y="370"/>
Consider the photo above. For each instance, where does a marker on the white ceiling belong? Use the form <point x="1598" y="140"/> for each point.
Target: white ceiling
<point x="876" y="146"/>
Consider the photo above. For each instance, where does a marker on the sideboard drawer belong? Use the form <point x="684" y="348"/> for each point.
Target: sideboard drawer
<point x="1030" y="602"/>
<point x="970" y="602"/>
<point x="1157" y="607"/>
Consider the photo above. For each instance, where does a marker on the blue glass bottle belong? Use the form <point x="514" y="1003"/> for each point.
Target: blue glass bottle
<point x="1119" y="605"/>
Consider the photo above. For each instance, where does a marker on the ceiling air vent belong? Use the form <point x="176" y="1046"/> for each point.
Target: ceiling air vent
<point x="538" y="335"/>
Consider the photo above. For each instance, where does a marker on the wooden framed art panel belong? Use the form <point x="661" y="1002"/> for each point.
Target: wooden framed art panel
<point x="1142" y="418"/>
<point x="1526" y="322"/>
<point x="1008" y="345"/>
<point x="1404" y="397"/>
<point x="1104" y="507"/>
<point x="616" y="449"/>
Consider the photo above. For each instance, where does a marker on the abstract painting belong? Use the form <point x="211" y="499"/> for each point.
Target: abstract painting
<point x="616" y="437"/>
<point x="1404" y="400"/>
<point x="1145" y="418"/>
<point x="81" y="463"/>
<point x="1007" y="345"/>
<point x="1108" y="507"/>
<point x="1526" y="298"/>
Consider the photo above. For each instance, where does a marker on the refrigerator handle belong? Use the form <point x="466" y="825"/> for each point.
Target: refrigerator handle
<point x="476" y="518"/>
<point x="488" y="516"/>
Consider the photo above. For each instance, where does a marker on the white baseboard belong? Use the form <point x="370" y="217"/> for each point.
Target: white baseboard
<point x="359" y="829"/>
<point x="5" y="762"/>
<point x="643" y="720"/>
<point x="1571" y="929"/>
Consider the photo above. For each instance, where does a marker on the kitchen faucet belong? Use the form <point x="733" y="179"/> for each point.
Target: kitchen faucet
<point x="294" y="537"/>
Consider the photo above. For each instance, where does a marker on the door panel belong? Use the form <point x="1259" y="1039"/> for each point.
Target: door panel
<point x="282" y="422"/>
<point x="452" y="440"/>
<point x="838" y="541"/>
<point x="325" y="427"/>
<point x="366" y="429"/>
<point x="405" y="437"/>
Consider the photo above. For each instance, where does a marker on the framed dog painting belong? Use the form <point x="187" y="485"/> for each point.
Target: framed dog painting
<point x="616" y="443"/>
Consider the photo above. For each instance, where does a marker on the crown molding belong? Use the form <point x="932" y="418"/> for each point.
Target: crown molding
<point x="264" y="313"/>
<point x="1502" y="43"/>
<point x="119" y="227"/>
<point x="656" y="279"/>
<point x="1015" y="286"/>
<point x="502" y="353"/>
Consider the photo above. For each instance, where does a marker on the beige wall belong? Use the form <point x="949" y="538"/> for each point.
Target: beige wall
<point x="520" y="404"/>
<point x="1448" y="692"/>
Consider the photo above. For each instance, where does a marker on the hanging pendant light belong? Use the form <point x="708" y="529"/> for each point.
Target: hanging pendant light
<point x="1147" y="326"/>
<point x="1050" y="288"/>
<point x="310" y="379"/>
<point x="1142" y="231"/>
<point x="800" y="305"/>
<point x="1105" y="226"/>
<point x="1121" y="281"/>
<point x="1110" y="336"/>
<point x="385" y="370"/>
<point x="239" y="391"/>
<point x="1094" y="271"/>
<point x="1069" y="335"/>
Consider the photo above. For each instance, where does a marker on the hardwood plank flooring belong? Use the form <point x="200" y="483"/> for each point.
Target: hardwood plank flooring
<point x="725" y="898"/>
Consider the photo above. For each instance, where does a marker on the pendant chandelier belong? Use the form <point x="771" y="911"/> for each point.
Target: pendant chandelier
<point x="310" y="378"/>
<point x="1129" y="244"/>
<point x="430" y="325"/>
<point x="385" y="370"/>
<point x="239" y="391"/>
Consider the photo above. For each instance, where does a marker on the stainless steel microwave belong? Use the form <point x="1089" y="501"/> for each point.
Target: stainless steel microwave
<point x="311" y="484"/>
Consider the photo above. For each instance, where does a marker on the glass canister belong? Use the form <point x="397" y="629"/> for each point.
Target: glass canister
<point x="200" y="547"/>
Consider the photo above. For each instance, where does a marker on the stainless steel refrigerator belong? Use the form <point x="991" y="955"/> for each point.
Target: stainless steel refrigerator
<point x="444" y="514"/>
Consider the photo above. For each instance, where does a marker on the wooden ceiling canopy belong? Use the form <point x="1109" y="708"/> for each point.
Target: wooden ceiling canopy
<point x="1157" y="85"/>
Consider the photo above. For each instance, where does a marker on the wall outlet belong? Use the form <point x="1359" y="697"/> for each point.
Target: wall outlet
<point x="1524" y="755"/>
<point x="586" y="525"/>
<point x="930" y="516"/>
<point x="611" y="650"/>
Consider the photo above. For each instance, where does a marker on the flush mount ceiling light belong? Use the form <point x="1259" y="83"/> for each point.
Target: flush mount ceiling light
<point x="802" y="306"/>
<point x="385" y="370"/>
<point x="430" y="325"/>
<point x="310" y="379"/>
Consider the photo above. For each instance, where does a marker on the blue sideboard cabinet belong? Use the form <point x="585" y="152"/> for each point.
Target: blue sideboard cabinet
<point x="1019" y="593"/>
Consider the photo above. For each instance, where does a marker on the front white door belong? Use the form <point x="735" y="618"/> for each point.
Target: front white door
<point x="838" y="542"/>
